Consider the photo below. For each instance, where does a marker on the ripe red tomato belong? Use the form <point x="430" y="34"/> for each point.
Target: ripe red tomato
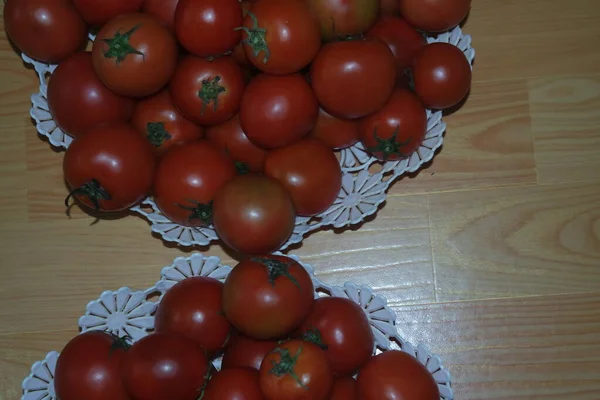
<point x="79" y="101"/>
<point x="48" y="31"/>
<point x="253" y="214"/>
<point x="267" y="297"/>
<point x="244" y="352"/>
<point x="441" y="75"/>
<point x="193" y="308"/>
<point x="187" y="179"/>
<point x="207" y="92"/>
<point x="231" y="137"/>
<point x="344" y="388"/>
<point x="342" y="326"/>
<point x="344" y="18"/>
<point x="335" y="132"/>
<point x="164" y="367"/>
<point x="394" y="374"/>
<point x="397" y="130"/>
<point x="281" y="37"/>
<point x="163" y="10"/>
<point x="159" y="121"/>
<point x="89" y="367"/>
<point x="234" y="384"/>
<point x="134" y="55"/>
<point x="310" y="171"/>
<point x="98" y="12"/>
<point x="208" y="27"/>
<point x="340" y="65"/>
<point x="278" y="110"/>
<point x="388" y="7"/>
<point x="296" y="370"/>
<point x="109" y="168"/>
<point x="434" y="15"/>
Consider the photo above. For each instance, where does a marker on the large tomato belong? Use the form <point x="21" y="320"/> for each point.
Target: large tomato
<point x="337" y="133"/>
<point x="278" y="110"/>
<point x="48" y="31"/>
<point x="267" y="297"/>
<point x="441" y="75"/>
<point x="208" y="27"/>
<point x="109" y="168"/>
<point x="99" y="12"/>
<point x="89" y="368"/>
<point x="193" y="308"/>
<point x="165" y="367"/>
<point x="310" y="171"/>
<point x="353" y="78"/>
<point x="244" y="352"/>
<point x="134" y="55"/>
<point x="207" y="92"/>
<point x="296" y="370"/>
<point x="344" y="18"/>
<point x="233" y="384"/>
<point x="394" y="374"/>
<point x="434" y="15"/>
<point x="281" y="37"/>
<point x="187" y="179"/>
<point x="397" y="130"/>
<point x="79" y="101"/>
<point x="159" y="121"/>
<point x="163" y="10"/>
<point x="345" y="388"/>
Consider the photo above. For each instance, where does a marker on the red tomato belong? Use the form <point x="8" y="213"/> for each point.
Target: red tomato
<point x="394" y="374"/>
<point x="278" y="110"/>
<point x="48" y="31"/>
<point x="159" y="121"/>
<point x="441" y="75"/>
<point x="89" y="367"/>
<point x="344" y="389"/>
<point x="310" y="171"/>
<point x="281" y="37"/>
<point x="99" y="12"/>
<point x="109" y="168"/>
<point x="79" y="101"/>
<point x="340" y="65"/>
<point x="163" y="10"/>
<point x="231" y="137"/>
<point x="335" y="132"/>
<point x="388" y="7"/>
<point x="397" y="130"/>
<point x="267" y="297"/>
<point x="165" y="367"/>
<point x="187" y="179"/>
<point x="344" y="18"/>
<point x="296" y="370"/>
<point x="434" y="15"/>
<point x="207" y="92"/>
<point x="193" y="308"/>
<point x="243" y="352"/>
<point x="234" y="384"/>
<point x="134" y="55"/>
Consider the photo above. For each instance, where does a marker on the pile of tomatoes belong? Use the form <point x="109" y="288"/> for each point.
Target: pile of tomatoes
<point x="276" y="340"/>
<point x="229" y="112"/>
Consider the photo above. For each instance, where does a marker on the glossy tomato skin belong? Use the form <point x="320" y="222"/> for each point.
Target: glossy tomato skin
<point x="394" y="374"/>
<point x="339" y="67"/>
<point x="207" y="92"/>
<point x="434" y="15"/>
<point x="47" y="31"/>
<point x="117" y="158"/>
<point x="165" y="367"/>
<point x="98" y="12"/>
<point x="344" y="388"/>
<point x="441" y="75"/>
<point x="266" y="297"/>
<point x="230" y="137"/>
<point x="193" y="308"/>
<point x="315" y="378"/>
<point x="234" y="384"/>
<point x="78" y="100"/>
<point x="244" y="352"/>
<point x="277" y="111"/>
<point x="281" y="37"/>
<point x="163" y="10"/>
<point x="397" y="130"/>
<point x="134" y="55"/>
<point x="187" y="179"/>
<point x="335" y="132"/>
<point x="89" y="368"/>
<point x="157" y="119"/>
<point x="344" y="18"/>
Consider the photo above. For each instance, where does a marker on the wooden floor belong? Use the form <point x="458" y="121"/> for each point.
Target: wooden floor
<point x="491" y="256"/>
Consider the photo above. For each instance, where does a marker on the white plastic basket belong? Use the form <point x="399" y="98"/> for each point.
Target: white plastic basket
<point x="131" y="312"/>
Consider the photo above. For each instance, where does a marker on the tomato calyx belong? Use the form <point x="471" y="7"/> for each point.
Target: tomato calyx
<point x="257" y="38"/>
<point x="199" y="211"/>
<point x="119" y="47"/>
<point x="210" y="91"/>
<point x="313" y="335"/>
<point x="389" y="146"/>
<point x="92" y="190"/>
<point x="276" y="269"/>
<point x="119" y="343"/>
<point x="242" y="168"/>
<point x="286" y="365"/>
<point x="157" y="134"/>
